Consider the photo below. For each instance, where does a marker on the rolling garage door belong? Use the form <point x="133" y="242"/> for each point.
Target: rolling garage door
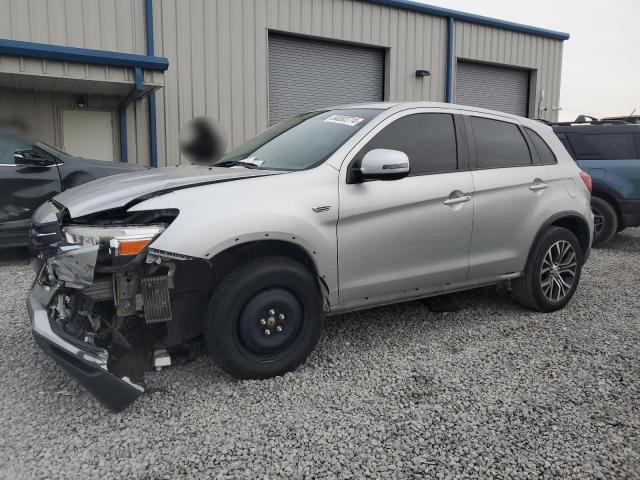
<point x="490" y="86"/>
<point x="306" y="74"/>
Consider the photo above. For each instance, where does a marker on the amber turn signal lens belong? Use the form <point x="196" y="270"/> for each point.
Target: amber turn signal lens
<point x="132" y="247"/>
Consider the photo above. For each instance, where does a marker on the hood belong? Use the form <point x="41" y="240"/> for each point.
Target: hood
<point x="125" y="167"/>
<point x="116" y="191"/>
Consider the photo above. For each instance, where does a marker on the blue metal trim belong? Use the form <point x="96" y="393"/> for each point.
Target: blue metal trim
<point x="81" y="55"/>
<point x="135" y="91"/>
<point x="148" y="25"/>
<point x="122" y="113"/>
<point x="153" y="129"/>
<point x="469" y="17"/>
<point x="450" y="59"/>
<point x="122" y="131"/>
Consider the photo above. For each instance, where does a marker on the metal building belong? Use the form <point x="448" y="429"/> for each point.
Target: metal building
<point x="116" y="79"/>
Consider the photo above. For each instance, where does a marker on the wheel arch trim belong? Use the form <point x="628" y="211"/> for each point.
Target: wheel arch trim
<point x="313" y="254"/>
<point x="572" y="216"/>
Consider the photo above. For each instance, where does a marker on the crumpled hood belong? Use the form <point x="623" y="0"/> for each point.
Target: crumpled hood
<point x="125" y="167"/>
<point x="116" y="191"/>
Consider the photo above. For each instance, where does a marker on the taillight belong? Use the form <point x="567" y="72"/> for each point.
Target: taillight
<point x="586" y="178"/>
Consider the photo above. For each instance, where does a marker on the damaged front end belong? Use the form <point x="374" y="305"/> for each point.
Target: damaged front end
<point x="103" y="302"/>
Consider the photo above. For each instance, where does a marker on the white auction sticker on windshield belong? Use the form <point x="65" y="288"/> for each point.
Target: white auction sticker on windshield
<point x="344" y="120"/>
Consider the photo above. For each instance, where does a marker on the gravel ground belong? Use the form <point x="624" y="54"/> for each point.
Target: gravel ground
<point x="491" y="390"/>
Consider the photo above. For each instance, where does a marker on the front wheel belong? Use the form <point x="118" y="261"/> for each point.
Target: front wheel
<point x="265" y="318"/>
<point x="552" y="272"/>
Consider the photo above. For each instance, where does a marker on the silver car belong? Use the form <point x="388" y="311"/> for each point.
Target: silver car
<point x="331" y="211"/>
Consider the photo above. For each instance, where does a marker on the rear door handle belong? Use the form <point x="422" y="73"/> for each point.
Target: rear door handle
<point x="456" y="200"/>
<point x="538" y="185"/>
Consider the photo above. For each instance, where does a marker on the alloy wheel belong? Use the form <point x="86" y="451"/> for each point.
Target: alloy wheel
<point x="558" y="273"/>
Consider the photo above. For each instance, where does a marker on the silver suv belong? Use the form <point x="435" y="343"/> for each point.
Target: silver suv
<point x="330" y="211"/>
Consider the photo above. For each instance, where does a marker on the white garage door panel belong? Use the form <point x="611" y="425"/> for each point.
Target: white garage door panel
<point x="494" y="87"/>
<point x="88" y="134"/>
<point x="306" y="74"/>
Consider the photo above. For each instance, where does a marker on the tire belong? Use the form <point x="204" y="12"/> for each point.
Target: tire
<point x="239" y="316"/>
<point x="539" y="287"/>
<point x="606" y="221"/>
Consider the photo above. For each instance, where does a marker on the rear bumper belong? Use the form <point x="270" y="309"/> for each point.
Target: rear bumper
<point x="87" y="363"/>
<point x="630" y="213"/>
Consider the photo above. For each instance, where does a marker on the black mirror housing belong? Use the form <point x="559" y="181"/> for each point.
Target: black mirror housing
<point x="32" y="158"/>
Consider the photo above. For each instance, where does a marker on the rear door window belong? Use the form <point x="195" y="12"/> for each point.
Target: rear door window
<point x="499" y="144"/>
<point x="603" y="146"/>
<point x="546" y="155"/>
<point x="428" y="139"/>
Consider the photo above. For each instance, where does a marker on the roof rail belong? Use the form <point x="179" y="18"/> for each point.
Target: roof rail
<point x="625" y="119"/>
<point x="589" y="120"/>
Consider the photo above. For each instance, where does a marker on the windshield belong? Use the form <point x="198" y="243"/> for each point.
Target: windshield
<point x="301" y="142"/>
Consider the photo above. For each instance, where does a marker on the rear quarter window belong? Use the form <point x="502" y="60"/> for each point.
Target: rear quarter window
<point x="545" y="154"/>
<point x="603" y="146"/>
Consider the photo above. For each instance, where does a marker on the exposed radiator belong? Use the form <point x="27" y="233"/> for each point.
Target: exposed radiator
<point x="155" y="295"/>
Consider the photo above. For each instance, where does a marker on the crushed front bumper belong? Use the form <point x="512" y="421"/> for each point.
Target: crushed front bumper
<point x="87" y="363"/>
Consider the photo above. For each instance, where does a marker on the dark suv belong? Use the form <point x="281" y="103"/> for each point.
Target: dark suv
<point x="609" y="151"/>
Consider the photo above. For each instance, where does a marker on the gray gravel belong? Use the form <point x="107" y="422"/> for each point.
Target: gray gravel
<point x="492" y="390"/>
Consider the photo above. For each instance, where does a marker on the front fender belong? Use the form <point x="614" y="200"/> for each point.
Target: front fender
<point x="278" y="207"/>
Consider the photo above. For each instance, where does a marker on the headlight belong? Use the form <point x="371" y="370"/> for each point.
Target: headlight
<point x="125" y="240"/>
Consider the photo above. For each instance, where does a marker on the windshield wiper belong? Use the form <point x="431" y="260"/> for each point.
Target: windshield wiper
<point x="247" y="163"/>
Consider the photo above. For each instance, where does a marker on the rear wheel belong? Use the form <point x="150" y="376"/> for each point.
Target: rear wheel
<point x="265" y="318"/>
<point x="605" y="221"/>
<point x="552" y="272"/>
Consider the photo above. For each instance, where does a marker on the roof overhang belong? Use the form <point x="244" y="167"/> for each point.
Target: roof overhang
<point x="471" y="18"/>
<point x="81" y="55"/>
<point x="58" y="69"/>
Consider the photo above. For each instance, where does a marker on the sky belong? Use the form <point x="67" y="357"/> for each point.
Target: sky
<point x="601" y="59"/>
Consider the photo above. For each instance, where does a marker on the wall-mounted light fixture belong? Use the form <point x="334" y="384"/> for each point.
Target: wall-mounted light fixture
<point x="422" y="73"/>
<point x="81" y="101"/>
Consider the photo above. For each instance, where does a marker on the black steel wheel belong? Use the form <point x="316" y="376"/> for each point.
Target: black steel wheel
<point x="265" y="318"/>
<point x="270" y="321"/>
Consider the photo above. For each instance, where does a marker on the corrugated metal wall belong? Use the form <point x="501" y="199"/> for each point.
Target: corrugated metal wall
<point x="116" y="25"/>
<point x="217" y="51"/>
<point x="494" y="45"/>
<point x="42" y="112"/>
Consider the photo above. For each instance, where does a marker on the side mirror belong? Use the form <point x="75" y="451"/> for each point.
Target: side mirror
<point x="31" y="158"/>
<point x="384" y="164"/>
